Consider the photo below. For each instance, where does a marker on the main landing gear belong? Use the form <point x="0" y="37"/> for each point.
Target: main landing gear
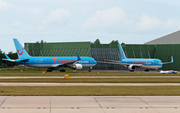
<point x="158" y="69"/>
<point x="62" y="70"/>
<point x="146" y="70"/>
<point x="131" y="70"/>
<point x="49" y="70"/>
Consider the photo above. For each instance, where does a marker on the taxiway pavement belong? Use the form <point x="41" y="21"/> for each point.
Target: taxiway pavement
<point x="89" y="104"/>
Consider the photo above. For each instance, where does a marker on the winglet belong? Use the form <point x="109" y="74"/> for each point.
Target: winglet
<point x="171" y="59"/>
<point x="78" y="58"/>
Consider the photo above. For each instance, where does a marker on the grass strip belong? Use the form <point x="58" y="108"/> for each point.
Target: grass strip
<point x="90" y="91"/>
<point x="84" y="73"/>
<point x="92" y="80"/>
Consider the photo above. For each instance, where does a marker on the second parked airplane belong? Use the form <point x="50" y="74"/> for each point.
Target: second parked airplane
<point x="52" y="63"/>
<point x="132" y="63"/>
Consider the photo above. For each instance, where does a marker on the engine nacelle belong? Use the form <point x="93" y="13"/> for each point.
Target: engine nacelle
<point x="77" y="66"/>
<point x="131" y="67"/>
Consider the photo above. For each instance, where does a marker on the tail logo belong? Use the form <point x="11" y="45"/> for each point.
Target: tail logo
<point x="21" y="52"/>
<point x="120" y="54"/>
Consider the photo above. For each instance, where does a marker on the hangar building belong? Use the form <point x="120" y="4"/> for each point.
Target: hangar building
<point x="173" y="38"/>
<point x="162" y="48"/>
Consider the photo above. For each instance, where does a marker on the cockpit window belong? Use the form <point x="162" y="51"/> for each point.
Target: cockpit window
<point x="158" y="61"/>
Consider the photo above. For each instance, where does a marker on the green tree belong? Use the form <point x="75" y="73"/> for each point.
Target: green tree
<point x="42" y="41"/>
<point x="114" y="42"/>
<point x="97" y="41"/>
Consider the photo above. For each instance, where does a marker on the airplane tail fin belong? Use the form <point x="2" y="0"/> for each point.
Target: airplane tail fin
<point x="122" y="55"/>
<point x="21" y="52"/>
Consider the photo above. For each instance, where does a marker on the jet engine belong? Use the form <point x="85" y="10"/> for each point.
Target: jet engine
<point x="131" y="67"/>
<point x="77" y="66"/>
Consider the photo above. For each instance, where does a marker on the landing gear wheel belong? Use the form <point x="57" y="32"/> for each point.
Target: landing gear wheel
<point x="158" y="70"/>
<point x="62" y="70"/>
<point x="49" y="70"/>
<point x="90" y="69"/>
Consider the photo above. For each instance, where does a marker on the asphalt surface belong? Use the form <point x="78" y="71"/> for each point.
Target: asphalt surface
<point x="89" y="84"/>
<point x="90" y="104"/>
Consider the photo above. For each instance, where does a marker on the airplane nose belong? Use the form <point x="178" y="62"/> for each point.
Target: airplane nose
<point x="95" y="62"/>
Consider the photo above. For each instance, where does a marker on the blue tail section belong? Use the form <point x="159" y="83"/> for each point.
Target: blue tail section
<point x="122" y="55"/>
<point x="21" y="52"/>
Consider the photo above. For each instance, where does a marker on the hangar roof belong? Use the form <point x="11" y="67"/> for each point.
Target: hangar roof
<point x="173" y="38"/>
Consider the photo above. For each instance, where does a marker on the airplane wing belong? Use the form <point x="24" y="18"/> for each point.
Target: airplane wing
<point x="110" y="62"/>
<point x="120" y="63"/>
<point x="136" y="65"/>
<point x="68" y="63"/>
<point x="169" y="62"/>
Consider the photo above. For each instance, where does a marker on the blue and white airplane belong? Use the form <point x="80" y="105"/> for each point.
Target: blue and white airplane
<point x="132" y="63"/>
<point x="52" y="63"/>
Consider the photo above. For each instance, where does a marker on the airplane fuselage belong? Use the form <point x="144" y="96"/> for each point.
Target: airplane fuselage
<point x="146" y="63"/>
<point x="51" y="62"/>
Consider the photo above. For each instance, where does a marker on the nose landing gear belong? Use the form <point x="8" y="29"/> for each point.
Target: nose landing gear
<point x="90" y="69"/>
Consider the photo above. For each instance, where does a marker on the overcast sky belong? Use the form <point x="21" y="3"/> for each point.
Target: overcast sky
<point x="128" y="21"/>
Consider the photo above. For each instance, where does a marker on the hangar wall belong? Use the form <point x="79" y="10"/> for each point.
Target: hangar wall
<point x="58" y="49"/>
<point x="159" y="51"/>
<point x="108" y="51"/>
<point x="165" y="51"/>
<point x="139" y="50"/>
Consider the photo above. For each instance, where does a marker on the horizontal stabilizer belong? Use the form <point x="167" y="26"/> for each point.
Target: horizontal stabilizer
<point x="8" y="59"/>
<point x="12" y="60"/>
